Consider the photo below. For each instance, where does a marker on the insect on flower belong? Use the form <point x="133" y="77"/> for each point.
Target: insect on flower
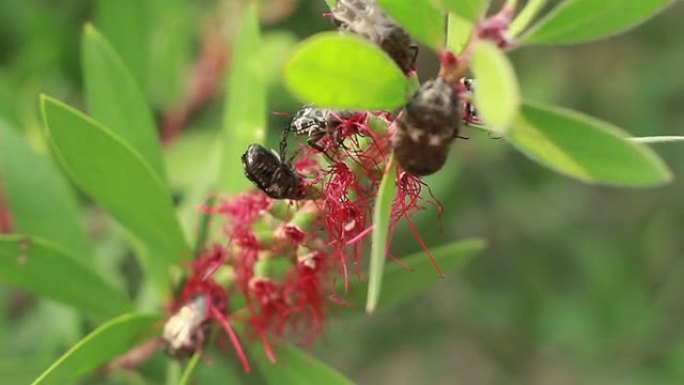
<point x="185" y="330"/>
<point x="317" y="123"/>
<point x="273" y="174"/>
<point x="430" y="122"/>
<point x="366" y="19"/>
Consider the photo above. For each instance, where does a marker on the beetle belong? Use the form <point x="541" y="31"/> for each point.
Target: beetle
<point x="272" y="173"/>
<point x="317" y="123"/>
<point x="366" y="19"/>
<point x="428" y="125"/>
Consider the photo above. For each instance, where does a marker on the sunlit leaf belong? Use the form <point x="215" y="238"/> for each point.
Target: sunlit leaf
<point x="117" y="101"/>
<point x="523" y="19"/>
<point x="471" y="10"/>
<point x="400" y="284"/>
<point x="585" y="148"/>
<point x="245" y="109"/>
<point x="40" y="200"/>
<point x="658" y="139"/>
<point x="107" y="342"/>
<point x="120" y="180"/>
<point x="382" y="216"/>
<point x="459" y="31"/>
<point x="43" y="268"/>
<point x="575" y="21"/>
<point x="347" y="72"/>
<point x="295" y="367"/>
<point x="497" y="96"/>
<point x="420" y="18"/>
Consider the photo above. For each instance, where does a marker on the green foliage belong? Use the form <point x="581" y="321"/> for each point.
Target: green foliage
<point x="469" y="9"/>
<point x="498" y="94"/>
<point x="382" y="216"/>
<point x="576" y="21"/>
<point x="116" y="101"/>
<point x="400" y="285"/>
<point x="107" y="342"/>
<point x="119" y="179"/>
<point x="41" y="202"/>
<point x="585" y="148"/>
<point x="420" y="18"/>
<point x="347" y="72"/>
<point x="459" y="31"/>
<point x="45" y="269"/>
<point x="295" y="367"/>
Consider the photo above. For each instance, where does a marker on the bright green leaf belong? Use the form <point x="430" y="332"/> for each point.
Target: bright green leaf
<point x="400" y="284"/>
<point x="120" y="180"/>
<point x="497" y="96"/>
<point x="576" y="21"/>
<point x="107" y="342"/>
<point x="333" y="70"/>
<point x="471" y="10"/>
<point x="420" y="18"/>
<point x="382" y="216"/>
<point x="126" y="25"/>
<point x="585" y="148"/>
<point x="41" y="202"/>
<point x="459" y="31"/>
<point x="245" y="110"/>
<point x="525" y="17"/>
<point x="295" y="367"/>
<point x="658" y="139"/>
<point x="331" y="3"/>
<point x="43" y="268"/>
<point x="116" y="101"/>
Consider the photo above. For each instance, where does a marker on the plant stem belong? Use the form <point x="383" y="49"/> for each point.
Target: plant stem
<point x="523" y="20"/>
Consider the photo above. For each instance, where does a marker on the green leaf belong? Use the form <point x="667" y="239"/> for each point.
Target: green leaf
<point x="523" y="19"/>
<point x="576" y="21"/>
<point x="107" y="342"/>
<point x="245" y="110"/>
<point x="400" y="284"/>
<point x="45" y="269"/>
<point x="125" y="23"/>
<point x="471" y="10"/>
<point x="497" y="96"/>
<point x="116" y="101"/>
<point x="459" y="31"/>
<point x="41" y="202"/>
<point x="295" y="367"/>
<point x="420" y="18"/>
<point x="382" y="216"/>
<point x="658" y="139"/>
<point x="334" y="70"/>
<point x="119" y="179"/>
<point x="331" y="3"/>
<point x="585" y="148"/>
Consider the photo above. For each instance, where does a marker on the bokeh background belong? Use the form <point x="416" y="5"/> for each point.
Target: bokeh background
<point x="581" y="284"/>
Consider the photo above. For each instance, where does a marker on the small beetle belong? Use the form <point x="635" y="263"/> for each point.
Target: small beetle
<point x="366" y="19"/>
<point x="271" y="173"/>
<point x="430" y="122"/>
<point x="317" y="123"/>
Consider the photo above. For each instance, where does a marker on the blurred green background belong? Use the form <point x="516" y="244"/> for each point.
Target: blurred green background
<point x="580" y="285"/>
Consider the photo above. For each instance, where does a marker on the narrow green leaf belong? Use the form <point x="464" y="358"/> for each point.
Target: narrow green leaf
<point x="497" y="96"/>
<point x="40" y="200"/>
<point x="420" y="18"/>
<point x="525" y="17"/>
<point x="295" y="367"/>
<point x="125" y="23"/>
<point x="43" y="268"/>
<point x="471" y="10"/>
<point x="117" y="178"/>
<point x="585" y="148"/>
<point x="576" y="21"/>
<point x="187" y="376"/>
<point x="107" y="342"/>
<point x="332" y="70"/>
<point x="331" y="3"/>
<point x="116" y="101"/>
<point x="382" y="216"/>
<point x="658" y="139"/>
<point x="400" y="284"/>
<point x="459" y="31"/>
<point x="245" y="110"/>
